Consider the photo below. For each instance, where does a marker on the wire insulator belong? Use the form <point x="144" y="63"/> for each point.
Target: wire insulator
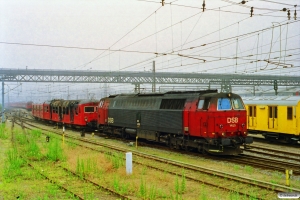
<point x="289" y="14"/>
<point x="203" y="6"/>
<point x="162" y="2"/>
<point x="251" y="12"/>
<point x="295" y="13"/>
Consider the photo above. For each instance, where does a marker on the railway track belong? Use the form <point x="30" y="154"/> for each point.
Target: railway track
<point x="264" y="158"/>
<point x="224" y="181"/>
<point x="76" y="185"/>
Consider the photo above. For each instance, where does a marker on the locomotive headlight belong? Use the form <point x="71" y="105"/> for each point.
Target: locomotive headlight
<point x="245" y="133"/>
<point x="85" y="119"/>
<point x="223" y="134"/>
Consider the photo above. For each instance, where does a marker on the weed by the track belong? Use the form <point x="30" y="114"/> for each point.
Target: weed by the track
<point x="13" y="164"/>
<point x="3" y="132"/>
<point x="55" y="151"/>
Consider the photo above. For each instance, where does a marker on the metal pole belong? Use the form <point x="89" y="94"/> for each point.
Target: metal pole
<point x="3" y="116"/>
<point x="153" y="70"/>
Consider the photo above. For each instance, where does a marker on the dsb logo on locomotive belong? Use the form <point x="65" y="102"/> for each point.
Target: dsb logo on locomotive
<point x="234" y="120"/>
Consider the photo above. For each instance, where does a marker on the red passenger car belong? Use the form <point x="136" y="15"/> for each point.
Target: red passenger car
<point x="103" y="112"/>
<point x="37" y="110"/>
<point x="73" y="113"/>
<point x="26" y="105"/>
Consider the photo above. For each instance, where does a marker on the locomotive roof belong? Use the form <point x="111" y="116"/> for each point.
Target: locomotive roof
<point x="273" y="100"/>
<point x="166" y="94"/>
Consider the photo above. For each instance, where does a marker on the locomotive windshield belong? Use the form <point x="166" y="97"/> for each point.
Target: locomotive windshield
<point x="237" y="104"/>
<point x="224" y="104"/>
<point x="227" y="104"/>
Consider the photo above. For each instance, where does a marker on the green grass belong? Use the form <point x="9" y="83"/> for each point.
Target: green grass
<point x="13" y="164"/>
<point x="3" y="132"/>
<point x="117" y="159"/>
<point x="33" y="150"/>
<point x="55" y="151"/>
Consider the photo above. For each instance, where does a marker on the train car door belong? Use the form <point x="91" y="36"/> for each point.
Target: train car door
<point x="252" y="116"/>
<point x="273" y="117"/>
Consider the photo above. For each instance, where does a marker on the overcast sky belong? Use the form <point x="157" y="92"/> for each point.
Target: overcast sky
<point x="131" y="34"/>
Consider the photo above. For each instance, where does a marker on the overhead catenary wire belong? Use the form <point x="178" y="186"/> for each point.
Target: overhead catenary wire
<point x="120" y="51"/>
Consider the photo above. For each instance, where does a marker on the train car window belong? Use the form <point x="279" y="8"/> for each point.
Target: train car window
<point x="273" y="112"/>
<point x="289" y="113"/>
<point x="224" y="104"/>
<point x="200" y="103"/>
<point x="252" y="111"/>
<point x="89" y="109"/>
<point x="270" y="112"/>
<point x="176" y="104"/>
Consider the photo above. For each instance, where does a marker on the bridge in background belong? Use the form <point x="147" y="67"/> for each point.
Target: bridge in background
<point x="225" y="81"/>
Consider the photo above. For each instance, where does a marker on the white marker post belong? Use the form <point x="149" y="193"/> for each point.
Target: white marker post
<point x="128" y="163"/>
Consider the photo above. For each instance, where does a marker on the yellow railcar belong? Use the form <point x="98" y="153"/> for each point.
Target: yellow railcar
<point x="274" y="117"/>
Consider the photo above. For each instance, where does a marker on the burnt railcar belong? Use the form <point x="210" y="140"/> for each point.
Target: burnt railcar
<point x="206" y="121"/>
<point x="73" y="113"/>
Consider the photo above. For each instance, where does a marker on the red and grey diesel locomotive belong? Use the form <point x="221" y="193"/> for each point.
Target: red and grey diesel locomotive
<point x="206" y="121"/>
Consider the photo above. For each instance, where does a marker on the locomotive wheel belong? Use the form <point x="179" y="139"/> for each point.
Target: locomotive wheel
<point x="200" y="148"/>
<point x="124" y="135"/>
<point x="186" y="148"/>
<point x="82" y="133"/>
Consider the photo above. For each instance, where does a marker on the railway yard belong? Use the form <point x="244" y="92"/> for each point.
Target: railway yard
<point x="39" y="163"/>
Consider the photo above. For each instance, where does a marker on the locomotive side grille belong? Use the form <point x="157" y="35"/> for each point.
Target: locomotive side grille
<point x="155" y="120"/>
<point x="176" y="104"/>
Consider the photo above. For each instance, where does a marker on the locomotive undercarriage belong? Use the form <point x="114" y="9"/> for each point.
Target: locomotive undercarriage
<point x="224" y="146"/>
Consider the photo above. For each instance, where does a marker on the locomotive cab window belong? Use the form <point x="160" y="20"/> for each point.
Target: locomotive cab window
<point x="89" y="109"/>
<point x="237" y="104"/>
<point x="206" y="103"/>
<point x="224" y="104"/>
<point x="200" y="103"/>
